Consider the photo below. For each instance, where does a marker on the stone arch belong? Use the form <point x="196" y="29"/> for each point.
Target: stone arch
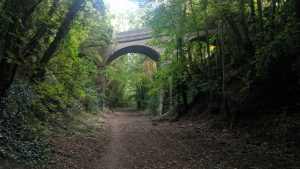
<point x="140" y="49"/>
<point x="136" y="41"/>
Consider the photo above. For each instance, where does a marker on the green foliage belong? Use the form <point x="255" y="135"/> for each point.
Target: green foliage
<point x="128" y="78"/>
<point x="260" y="62"/>
<point x="72" y="76"/>
<point x="20" y="132"/>
<point x="250" y="63"/>
<point x="273" y="78"/>
<point x="69" y="83"/>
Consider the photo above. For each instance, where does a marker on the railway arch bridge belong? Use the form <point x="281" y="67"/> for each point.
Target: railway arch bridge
<point x="135" y="41"/>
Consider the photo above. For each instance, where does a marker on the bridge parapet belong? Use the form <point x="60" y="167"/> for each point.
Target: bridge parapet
<point x="134" y="35"/>
<point x="136" y="41"/>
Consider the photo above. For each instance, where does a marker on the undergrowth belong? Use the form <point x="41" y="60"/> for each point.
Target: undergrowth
<point x="21" y="133"/>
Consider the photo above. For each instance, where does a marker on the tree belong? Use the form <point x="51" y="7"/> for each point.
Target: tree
<point x="61" y="32"/>
<point x="244" y="28"/>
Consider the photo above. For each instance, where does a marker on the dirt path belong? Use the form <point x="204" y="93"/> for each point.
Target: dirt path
<point x="137" y="143"/>
<point x="125" y="140"/>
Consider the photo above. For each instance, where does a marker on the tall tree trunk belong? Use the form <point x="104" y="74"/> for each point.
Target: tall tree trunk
<point x="297" y="9"/>
<point x="189" y="51"/>
<point x="184" y="96"/>
<point x="8" y="69"/>
<point x="29" y="12"/>
<point x="101" y="81"/>
<point x="40" y="33"/>
<point x="245" y="31"/>
<point x="197" y="30"/>
<point x="62" y="31"/>
<point x="171" y="92"/>
<point x="260" y="20"/>
<point x="209" y="67"/>
<point x="272" y="19"/>
<point x="252" y="7"/>
<point x="7" y="74"/>
<point x="217" y="54"/>
<point x="161" y="102"/>
<point x="177" y="60"/>
<point x="237" y="39"/>
<point x="224" y="97"/>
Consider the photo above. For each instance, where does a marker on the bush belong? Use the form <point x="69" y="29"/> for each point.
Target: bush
<point x="273" y="80"/>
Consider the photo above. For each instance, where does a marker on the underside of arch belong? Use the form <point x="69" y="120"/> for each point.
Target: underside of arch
<point x="140" y="49"/>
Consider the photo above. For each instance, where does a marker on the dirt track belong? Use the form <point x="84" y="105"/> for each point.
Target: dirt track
<point x="126" y="140"/>
<point x="137" y="143"/>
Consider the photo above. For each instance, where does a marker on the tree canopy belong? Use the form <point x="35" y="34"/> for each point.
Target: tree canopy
<point x="235" y="58"/>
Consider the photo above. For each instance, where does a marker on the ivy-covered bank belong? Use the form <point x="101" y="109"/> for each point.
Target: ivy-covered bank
<point x="47" y="70"/>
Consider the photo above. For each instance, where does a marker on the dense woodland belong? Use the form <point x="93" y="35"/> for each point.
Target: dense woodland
<point x="245" y="67"/>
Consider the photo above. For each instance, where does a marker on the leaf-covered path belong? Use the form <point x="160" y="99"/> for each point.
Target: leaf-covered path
<point x="136" y="142"/>
<point x="127" y="140"/>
